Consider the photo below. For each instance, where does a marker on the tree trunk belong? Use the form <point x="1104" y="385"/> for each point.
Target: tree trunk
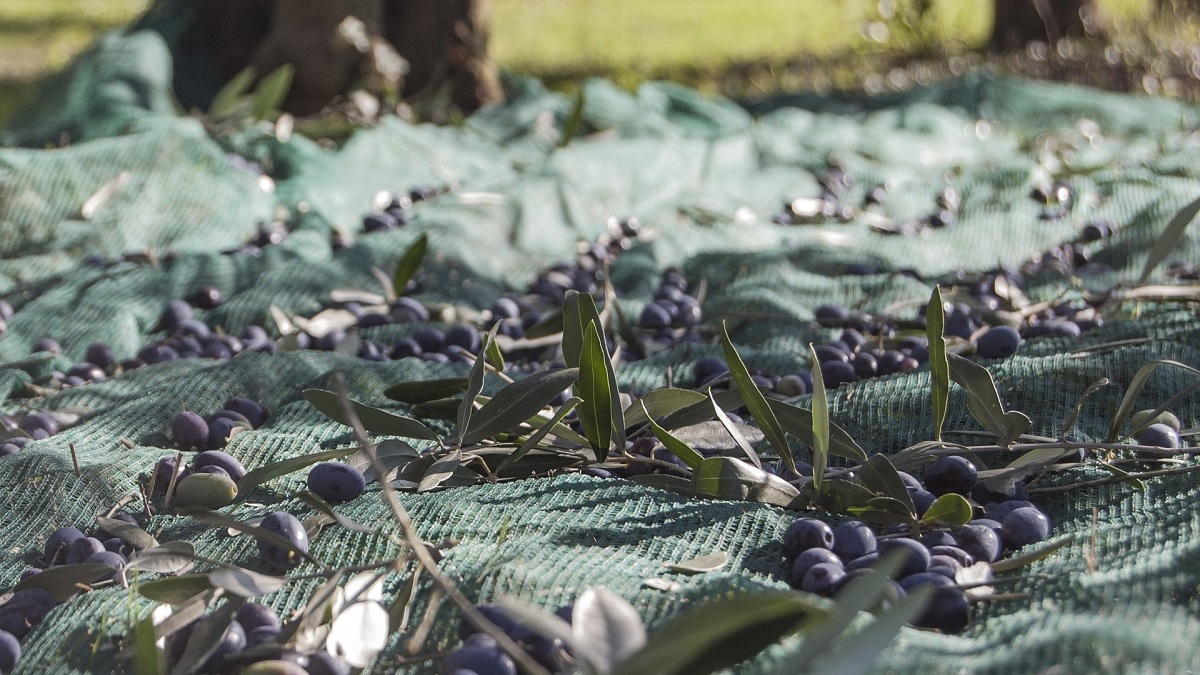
<point x="1019" y="22"/>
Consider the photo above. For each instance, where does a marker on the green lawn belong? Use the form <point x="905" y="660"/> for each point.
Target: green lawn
<point x="626" y="39"/>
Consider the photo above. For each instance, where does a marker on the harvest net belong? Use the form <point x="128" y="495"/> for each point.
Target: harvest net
<point x="706" y="176"/>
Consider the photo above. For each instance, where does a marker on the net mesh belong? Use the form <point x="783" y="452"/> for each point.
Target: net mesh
<point x="706" y="175"/>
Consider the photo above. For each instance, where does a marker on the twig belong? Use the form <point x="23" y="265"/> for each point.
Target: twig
<point x="1113" y="479"/>
<point x="519" y="655"/>
<point x="74" y="458"/>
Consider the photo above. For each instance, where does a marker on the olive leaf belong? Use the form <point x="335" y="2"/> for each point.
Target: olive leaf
<point x="409" y="263"/>
<point x="949" y="509"/>
<point x="146" y="655"/>
<point x="673" y="445"/>
<point x="474" y="386"/>
<point x="517" y="402"/>
<point x="341" y="519"/>
<point x="983" y="400"/>
<point x="423" y="391"/>
<point x="704" y="563"/>
<point x="1168" y="242"/>
<point x="231" y="92"/>
<point x="441" y="470"/>
<point x="127" y="532"/>
<point x="595" y="412"/>
<point x="701" y="411"/>
<point x="171" y="557"/>
<point x="755" y="401"/>
<point x="820" y="423"/>
<point x="869" y="642"/>
<point x="1091" y="389"/>
<point x="659" y="403"/>
<point x="799" y="422"/>
<point x="721" y="633"/>
<point x="551" y="424"/>
<point x="271" y="91"/>
<point x="1129" y="401"/>
<point x="574" y="120"/>
<point x="374" y="420"/>
<point x="605" y="628"/>
<point x="1017" y="562"/>
<point x="939" y="369"/>
<point x="732" y="478"/>
<point x="175" y="590"/>
<point x="879" y="475"/>
<point x="62" y="581"/>
<point x="739" y="439"/>
<point x="243" y="582"/>
<point x="207" y="637"/>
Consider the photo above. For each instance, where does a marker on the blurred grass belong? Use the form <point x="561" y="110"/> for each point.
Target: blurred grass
<point x="693" y="41"/>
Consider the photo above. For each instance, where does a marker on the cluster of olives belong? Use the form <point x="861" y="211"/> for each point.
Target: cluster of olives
<point x="821" y="559"/>
<point x="398" y="210"/>
<point x="26" y="607"/>
<point x="247" y="644"/>
<point x="35" y="426"/>
<point x="479" y="653"/>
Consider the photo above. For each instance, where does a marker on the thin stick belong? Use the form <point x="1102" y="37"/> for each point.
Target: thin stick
<point x="74" y="458"/>
<point x="1112" y="479"/>
<point x="519" y="655"/>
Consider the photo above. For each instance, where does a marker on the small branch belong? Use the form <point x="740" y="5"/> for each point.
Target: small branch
<point x="1112" y="479"/>
<point x="519" y="655"/>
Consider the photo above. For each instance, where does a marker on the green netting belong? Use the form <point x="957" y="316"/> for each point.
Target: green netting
<point x="706" y="176"/>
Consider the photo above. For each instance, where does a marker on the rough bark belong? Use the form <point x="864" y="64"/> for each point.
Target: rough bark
<point x="444" y="42"/>
<point x="1019" y="22"/>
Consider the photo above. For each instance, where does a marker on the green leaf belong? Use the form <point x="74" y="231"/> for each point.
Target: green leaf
<point x="127" y="532"/>
<point x="838" y="495"/>
<point x="62" y="581"/>
<point x="401" y="607"/>
<point x="441" y="470"/>
<point x="704" y="563"/>
<point x="721" y="633"/>
<point x="755" y="401"/>
<point x="799" y="422"/>
<point x="1004" y="480"/>
<point x="659" y="403"/>
<point x="573" y="324"/>
<point x="935" y="324"/>
<point x="1091" y="389"/>
<point x="949" y="509"/>
<point x="171" y="557"/>
<point x="374" y="420"/>
<point x="206" y="637"/>
<point x="146" y="657"/>
<point x="702" y="410"/>
<point x="605" y="629"/>
<point x="1017" y="562"/>
<point x="574" y="120"/>
<point x="537" y="436"/>
<point x="629" y="336"/>
<point x="595" y="412"/>
<point x="868" y="643"/>
<point x="738" y="438"/>
<point x="731" y="478"/>
<point x="229" y="93"/>
<point x="820" y="423"/>
<point x="423" y="391"/>
<point x="1129" y="401"/>
<point x="494" y="356"/>
<point x="474" y="386"/>
<point x="409" y="263"/>
<point x="517" y="402"/>
<point x="884" y="511"/>
<point x="175" y="590"/>
<point x="262" y="474"/>
<point x="880" y="476"/>
<point x="271" y="92"/>
<point x="243" y="582"/>
<point x="440" y="409"/>
<point x="1168" y="242"/>
<point x="391" y="453"/>
<point x="983" y="400"/>
<point x="212" y="518"/>
<point x="675" y="446"/>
